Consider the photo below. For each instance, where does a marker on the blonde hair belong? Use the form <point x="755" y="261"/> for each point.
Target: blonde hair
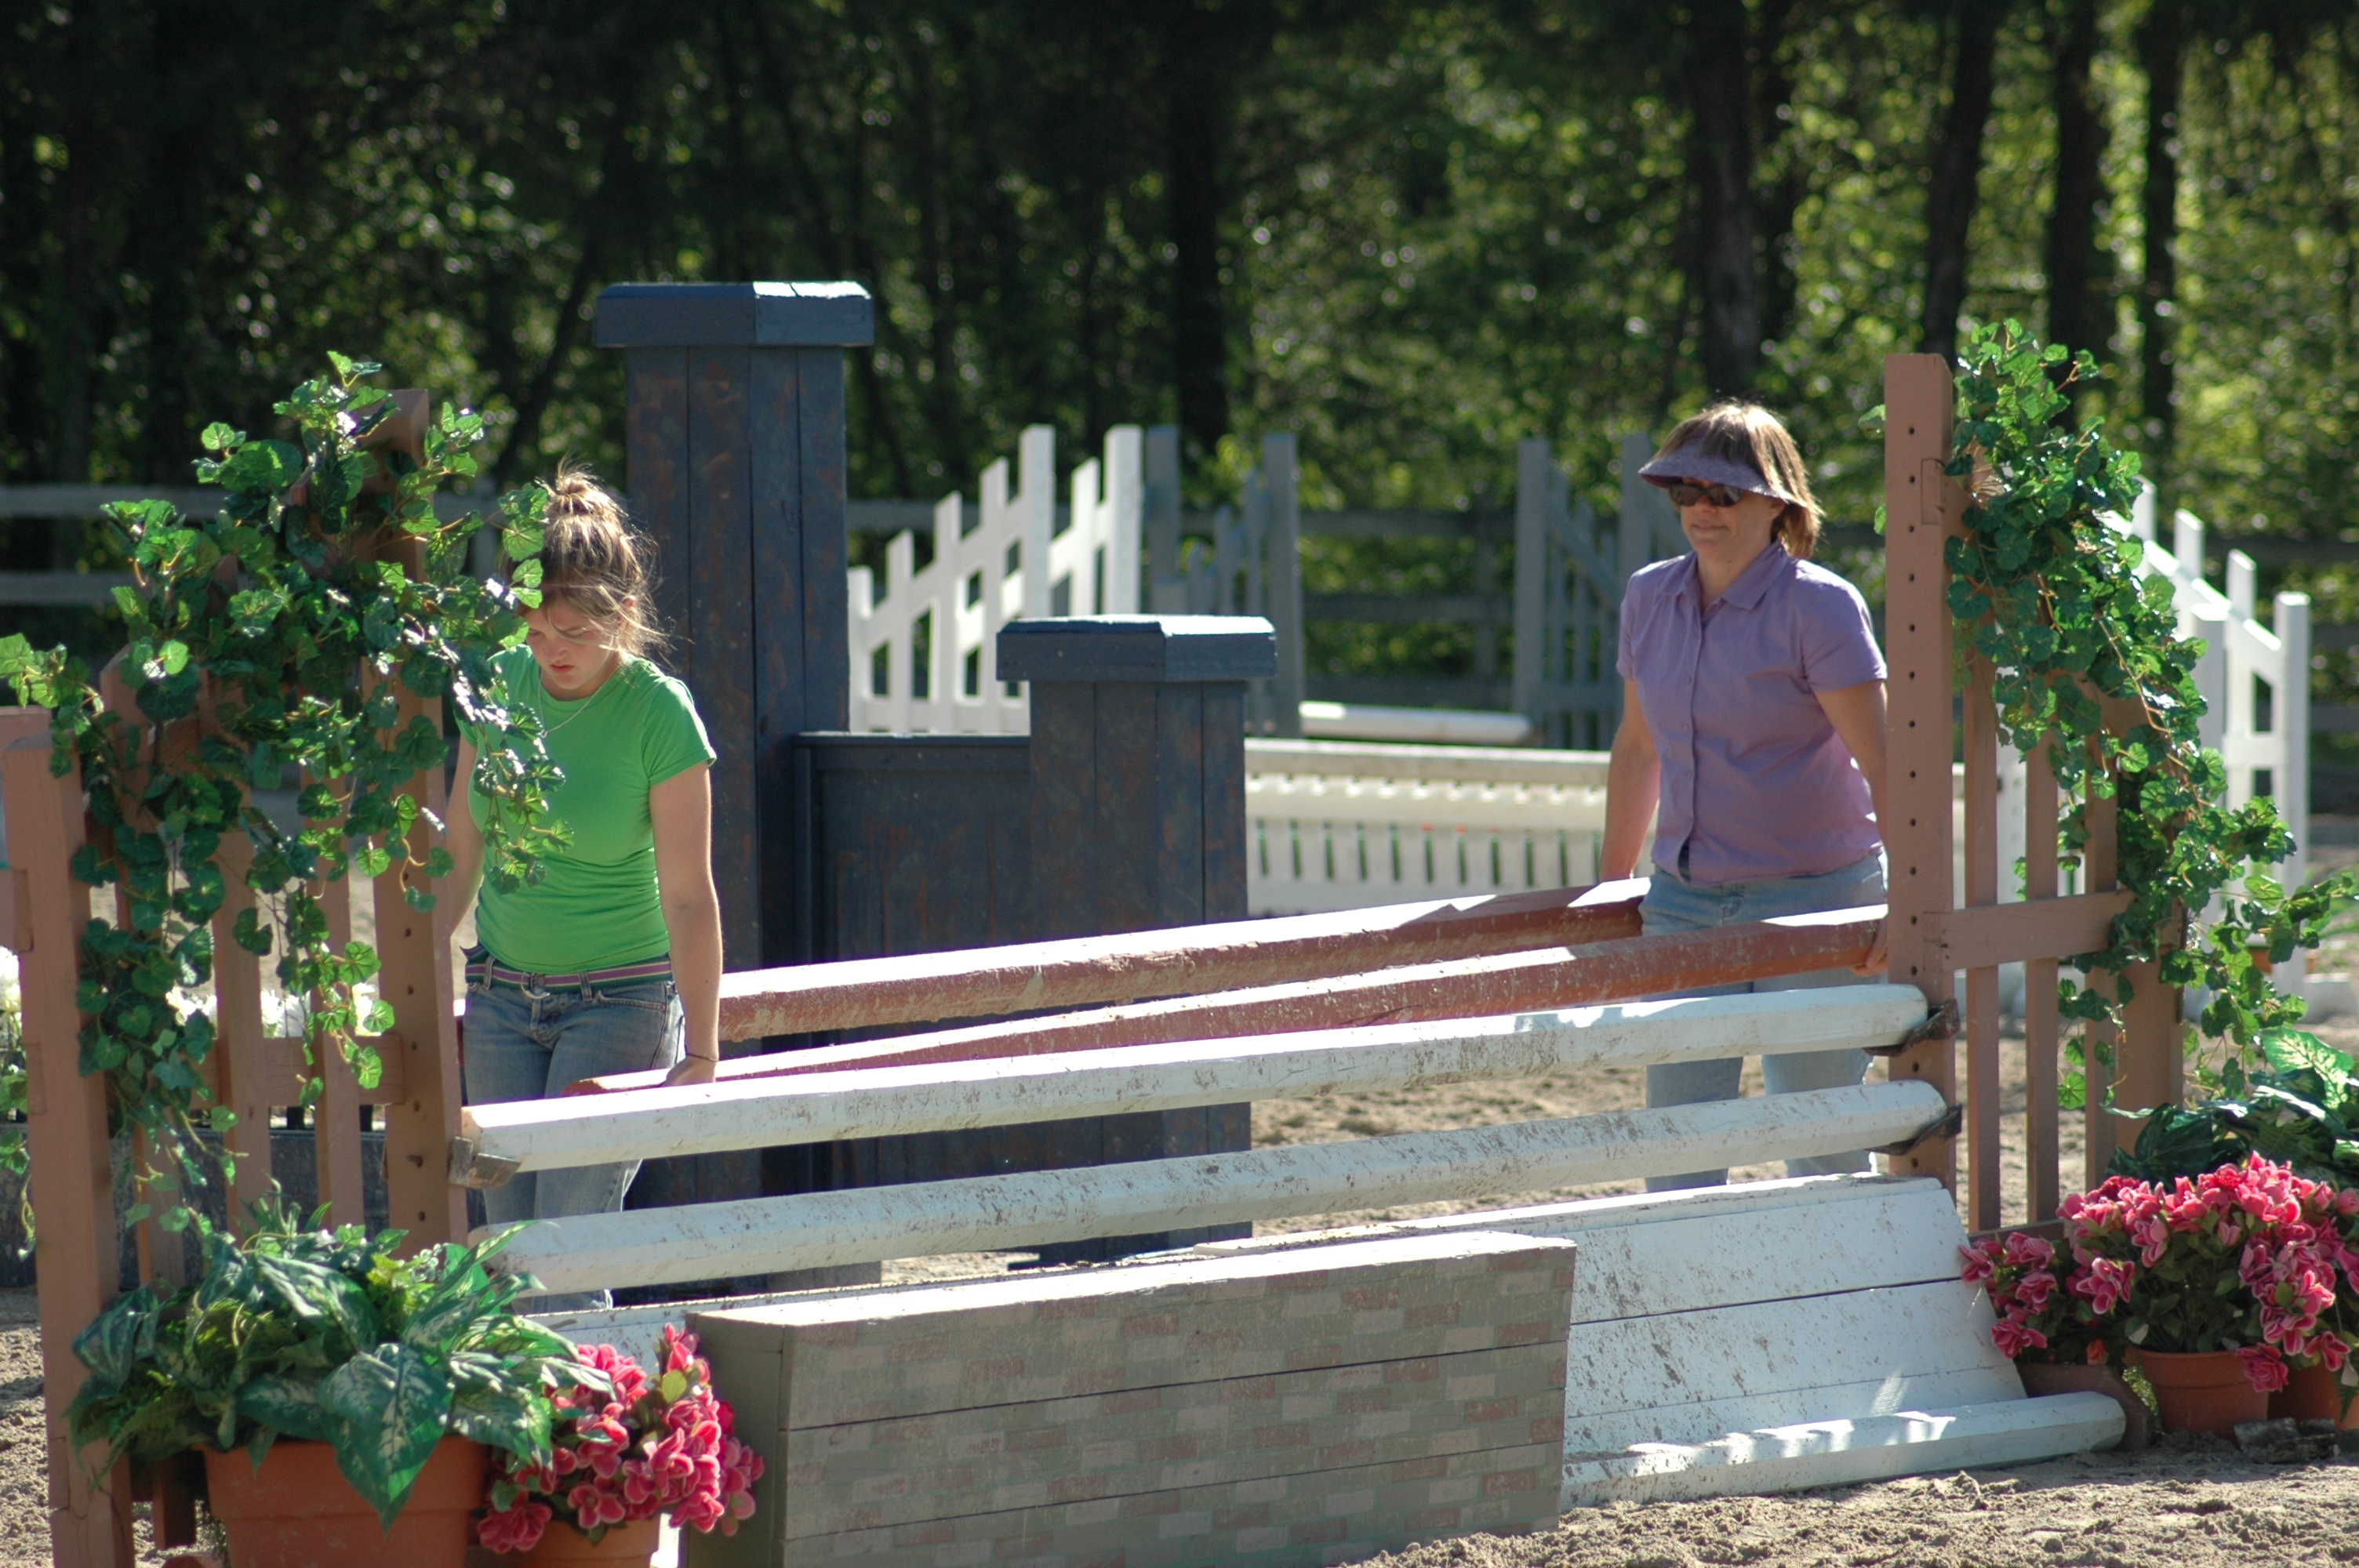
<point x="1747" y="433"/>
<point x="592" y="558"/>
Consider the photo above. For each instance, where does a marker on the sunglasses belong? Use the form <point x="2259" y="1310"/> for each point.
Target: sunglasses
<point x="1720" y="495"/>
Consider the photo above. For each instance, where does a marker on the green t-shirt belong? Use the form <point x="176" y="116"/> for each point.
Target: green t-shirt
<point x="599" y="905"/>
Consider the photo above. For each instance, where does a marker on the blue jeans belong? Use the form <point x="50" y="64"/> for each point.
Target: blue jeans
<point x="1674" y="903"/>
<point x="528" y="1043"/>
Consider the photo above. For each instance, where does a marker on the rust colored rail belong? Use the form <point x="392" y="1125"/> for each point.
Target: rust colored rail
<point x="1092" y="971"/>
<point x="1534" y="981"/>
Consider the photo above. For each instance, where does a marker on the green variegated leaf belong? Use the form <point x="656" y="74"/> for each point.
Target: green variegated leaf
<point x="387" y="1410"/>
<point x="285" y="1405"/>
<point x="514" y="1420"/>
<point x="316" y="1292"/>
<point x="113" y="1342"/>
<point x="2297" y="1050"/>
<point x="437" y="1324"/>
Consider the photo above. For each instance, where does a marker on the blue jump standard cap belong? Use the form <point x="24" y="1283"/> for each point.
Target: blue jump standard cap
<point x="734" y="315"/>
<point x="1145" y="648"/>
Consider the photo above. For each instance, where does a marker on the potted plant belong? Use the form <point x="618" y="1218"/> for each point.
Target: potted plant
<point x="345" y="1398"/>
<point x="626" y="1449"/>
<point x="2214" y="1287"/>
<point x="2298" y="1105"/>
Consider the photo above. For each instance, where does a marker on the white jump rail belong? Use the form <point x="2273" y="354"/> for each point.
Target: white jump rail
<point x="992" y="1213"/>
<point x="648" y="1124"/>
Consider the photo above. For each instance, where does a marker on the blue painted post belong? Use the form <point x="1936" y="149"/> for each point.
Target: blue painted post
<point x="1139" y="822"/>
<point x="735" y="444"/>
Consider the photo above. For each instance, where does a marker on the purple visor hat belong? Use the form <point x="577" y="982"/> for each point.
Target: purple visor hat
<point x="1688" y="466"/>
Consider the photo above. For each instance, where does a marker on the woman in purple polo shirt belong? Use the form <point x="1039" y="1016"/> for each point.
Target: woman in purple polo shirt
<point x="1752" y="733"/>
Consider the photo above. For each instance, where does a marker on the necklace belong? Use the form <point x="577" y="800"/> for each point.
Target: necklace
<point x="613" y="676"/>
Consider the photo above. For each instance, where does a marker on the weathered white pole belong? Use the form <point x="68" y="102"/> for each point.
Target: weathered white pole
<point x="498" y="1140"/>
<point x="756" y="1236"/>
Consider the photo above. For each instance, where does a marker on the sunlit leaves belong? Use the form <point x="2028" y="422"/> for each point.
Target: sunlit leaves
<point x="271" y="636"/>
<point x="326" y="1336"/>
<point x="2089" y="665"/>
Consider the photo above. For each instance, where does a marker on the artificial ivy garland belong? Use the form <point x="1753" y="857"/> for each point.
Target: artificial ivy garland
<point x="278" y="633"/>
<point x="2049" y="593"/>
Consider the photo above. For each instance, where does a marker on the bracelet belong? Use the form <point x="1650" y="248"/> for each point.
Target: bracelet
<point x="695" y="1057"/>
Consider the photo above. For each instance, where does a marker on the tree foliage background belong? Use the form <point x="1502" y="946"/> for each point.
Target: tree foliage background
<point x="1413" y="233"/>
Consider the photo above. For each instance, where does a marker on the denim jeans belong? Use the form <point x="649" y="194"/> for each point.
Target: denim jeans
<point x="1674" y="903"/>
<point x="528" y="1043"/>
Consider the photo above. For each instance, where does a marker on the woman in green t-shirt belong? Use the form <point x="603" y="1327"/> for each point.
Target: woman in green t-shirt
<point x="611" y="963"/>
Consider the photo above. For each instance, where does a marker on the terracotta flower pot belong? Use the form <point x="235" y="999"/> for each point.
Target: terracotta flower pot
<point x="2313" y="1393"/>
<point x="633" y="1543"/>
<point x="2064" y="1377"/>
<point x="298" y="1511"/>
<point x="2202" y="1391"/>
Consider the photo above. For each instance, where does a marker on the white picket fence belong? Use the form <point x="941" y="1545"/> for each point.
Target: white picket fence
<point x="2254" y="678"/>
<point x="1344" y="825"/>
<point x="923" y="650"/>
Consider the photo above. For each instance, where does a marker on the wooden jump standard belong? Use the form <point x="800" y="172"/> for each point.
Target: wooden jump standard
<point x="1932" y="940"/>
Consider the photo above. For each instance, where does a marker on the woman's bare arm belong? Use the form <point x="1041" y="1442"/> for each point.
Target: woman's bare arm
<point x="1857" y="714"/>
<point x="682" y="808"/>
<point x="456" y="894"/>
<point x="1633" y="782"/>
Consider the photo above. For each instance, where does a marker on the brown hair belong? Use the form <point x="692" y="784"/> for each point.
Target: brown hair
<point x="1747" y="433"/>
<point x="593" y="559"/>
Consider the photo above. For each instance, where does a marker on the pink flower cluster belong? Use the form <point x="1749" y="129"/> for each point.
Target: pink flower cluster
<point x="659" y="1445"/>
<point x="2148" y="1262"/>
<point x="2019" y="1272"/>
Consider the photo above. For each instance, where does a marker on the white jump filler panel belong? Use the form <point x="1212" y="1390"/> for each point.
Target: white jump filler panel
<point x="1778" y="1336"/>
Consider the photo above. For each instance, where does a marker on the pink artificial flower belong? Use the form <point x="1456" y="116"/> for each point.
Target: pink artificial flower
<point x="2104" y="1284"/>
<point x="2153" y="1238"/>
<point x="2012" y="1337"/>
<point x="2024" y="1250"/>
<point x="516" y="1528"/>
<point x="2034" y="1289"/>
<point x="2264" y="1367"/>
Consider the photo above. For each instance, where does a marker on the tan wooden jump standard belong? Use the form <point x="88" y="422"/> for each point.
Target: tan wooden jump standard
<point x="42" y="911"/>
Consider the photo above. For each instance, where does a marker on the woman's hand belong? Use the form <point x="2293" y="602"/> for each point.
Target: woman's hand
<point x="1878" y="958"/>
<point x="692" y="1070"/>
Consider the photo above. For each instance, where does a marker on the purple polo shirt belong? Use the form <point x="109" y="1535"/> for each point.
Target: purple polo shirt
<point x="1756" y="783"/>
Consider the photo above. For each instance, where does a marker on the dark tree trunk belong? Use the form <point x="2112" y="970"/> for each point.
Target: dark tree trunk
<point x="2162" y="53"/>
<point x="1951" y="192"/>
<point x="1776" y="207"/>
<point x="1718" y="78"/>
<point x="1198" y="86"/>
<point x="76" y="282"/>
<point x="2074" y="318"/>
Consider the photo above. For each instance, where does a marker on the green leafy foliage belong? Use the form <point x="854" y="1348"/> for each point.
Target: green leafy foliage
<point x="2088" y="665"/>
<point x="329" y="1337"/>
<point x="284" y="631"/>
<point x="2299" y="1107"/>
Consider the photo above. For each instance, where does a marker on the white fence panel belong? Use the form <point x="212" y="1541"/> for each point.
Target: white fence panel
<point x="923" y="650"/>
<point x="1342" y="825"/>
